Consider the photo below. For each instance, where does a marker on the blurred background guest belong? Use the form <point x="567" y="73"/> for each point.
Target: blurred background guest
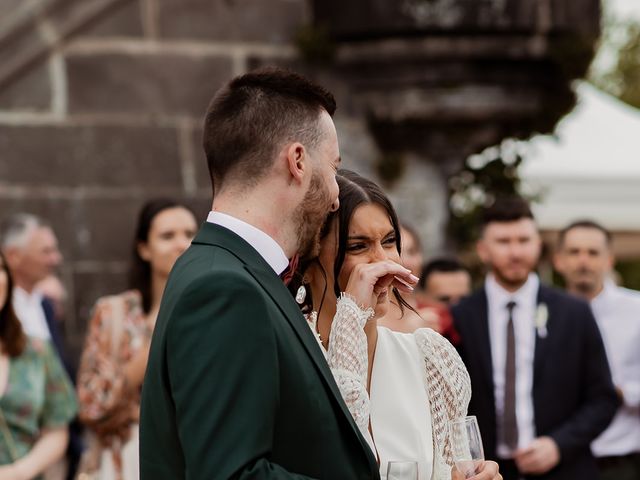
<point x="31" y="249"/>
<point x="38" y="400"/>
<point x="585" y="260"/>
<point x="542" y="388"/>
<point x="115" y="355"/>
<point x="445" y="281"/>
<point x="412" y="258"/>
<point x="53" y="289"/>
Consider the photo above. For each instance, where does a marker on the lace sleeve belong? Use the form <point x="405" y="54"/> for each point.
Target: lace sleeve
<point x="448" y="387"/>
<point x="348" y="359"/>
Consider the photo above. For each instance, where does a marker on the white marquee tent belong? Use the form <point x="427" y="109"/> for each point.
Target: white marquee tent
<point x="590" y="168"/>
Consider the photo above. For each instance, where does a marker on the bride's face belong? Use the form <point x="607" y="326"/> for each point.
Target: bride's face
<point x="371" y="238"/>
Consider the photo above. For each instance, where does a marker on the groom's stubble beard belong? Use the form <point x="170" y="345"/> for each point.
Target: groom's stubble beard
<point x="310" y="217"/>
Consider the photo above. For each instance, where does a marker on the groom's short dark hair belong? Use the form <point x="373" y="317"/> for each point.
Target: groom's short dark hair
<point x="254" y="115"/>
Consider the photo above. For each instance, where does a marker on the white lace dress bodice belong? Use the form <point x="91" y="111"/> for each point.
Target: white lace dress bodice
<point x="399" y="412"/>
<point x="402" y="417"/>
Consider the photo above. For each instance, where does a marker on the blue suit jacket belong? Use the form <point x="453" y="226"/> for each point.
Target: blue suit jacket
<point x="56" y="337"/>
<point x="573" y="395"/>
<point x="75" y="447"/>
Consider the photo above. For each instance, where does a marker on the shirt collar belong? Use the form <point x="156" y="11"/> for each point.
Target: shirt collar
<point x="604" y="298"/>
<point x="25" y="297"/>
<point x="266" y="246"/>
<point x="527" y="294"/>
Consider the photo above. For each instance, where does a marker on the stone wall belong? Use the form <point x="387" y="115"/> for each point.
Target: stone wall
<point x="101" y="101"/>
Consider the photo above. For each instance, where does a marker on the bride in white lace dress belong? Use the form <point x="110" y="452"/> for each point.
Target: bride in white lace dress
<point x="402" y="389"/>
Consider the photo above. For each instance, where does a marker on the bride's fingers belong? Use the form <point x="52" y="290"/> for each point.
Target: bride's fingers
<point x="386" y="271"/>
<point x="389" y="280"/>
<point x="373" y="279"/>
<point x="402" y="285"/>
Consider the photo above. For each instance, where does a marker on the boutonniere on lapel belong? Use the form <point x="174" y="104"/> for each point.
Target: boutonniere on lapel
<point x="542" y="315"/>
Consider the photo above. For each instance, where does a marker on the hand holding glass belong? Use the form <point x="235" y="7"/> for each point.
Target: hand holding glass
<point x="402" y="471"/>
<point x="466" y="444"/>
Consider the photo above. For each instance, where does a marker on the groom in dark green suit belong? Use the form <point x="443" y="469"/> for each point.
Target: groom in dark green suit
<point x="236" y="385"/>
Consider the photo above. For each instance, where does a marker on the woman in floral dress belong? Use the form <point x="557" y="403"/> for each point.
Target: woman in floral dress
<point x="117" y="347"/>
<point x="37" y="401"/>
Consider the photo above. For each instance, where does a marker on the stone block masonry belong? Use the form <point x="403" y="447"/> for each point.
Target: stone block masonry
<point x="101" y="106"/>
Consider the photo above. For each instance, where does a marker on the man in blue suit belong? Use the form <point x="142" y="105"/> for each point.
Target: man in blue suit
<point x="542" y="388"/>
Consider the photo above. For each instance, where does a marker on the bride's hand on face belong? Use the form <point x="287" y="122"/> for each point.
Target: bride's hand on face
<point x="368" y="281"/>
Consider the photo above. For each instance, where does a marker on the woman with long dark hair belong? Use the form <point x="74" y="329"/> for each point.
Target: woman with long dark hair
<point x="401" y="388"/>
<point x="37" y="401"/>
<point x="117" y="347"/>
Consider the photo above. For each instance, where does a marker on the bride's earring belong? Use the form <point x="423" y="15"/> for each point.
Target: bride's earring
<point x="301" y="294"/>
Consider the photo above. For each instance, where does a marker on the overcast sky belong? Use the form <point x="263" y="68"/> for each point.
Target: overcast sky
<point x="624" y="8"/>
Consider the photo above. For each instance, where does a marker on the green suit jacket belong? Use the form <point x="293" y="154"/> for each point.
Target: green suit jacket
<point x="236" y="385"/>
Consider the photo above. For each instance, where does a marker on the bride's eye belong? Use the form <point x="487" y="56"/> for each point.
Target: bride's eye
<point x="355" y="247"/>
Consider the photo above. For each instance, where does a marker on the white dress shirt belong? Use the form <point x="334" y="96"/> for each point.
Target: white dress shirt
<point x="266" y="246"/>
<point x="28" y="308"/>
<point x="617" y="312"/>
<point x="525" y="340"/>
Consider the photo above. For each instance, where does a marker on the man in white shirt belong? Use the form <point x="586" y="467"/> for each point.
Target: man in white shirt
<point x="541" y="384"/>
<point x="32" y="253"/>
<point x="585" y="260"/>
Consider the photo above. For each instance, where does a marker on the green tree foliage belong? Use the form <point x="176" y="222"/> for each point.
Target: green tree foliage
<point x="623" y="80"/>
<point x="484" y="177"/>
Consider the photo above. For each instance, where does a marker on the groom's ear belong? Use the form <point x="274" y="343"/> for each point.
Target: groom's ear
<point x="297" y="161"/>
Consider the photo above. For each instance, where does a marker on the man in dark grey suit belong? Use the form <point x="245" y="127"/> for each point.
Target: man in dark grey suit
<point x="541" y="384"/>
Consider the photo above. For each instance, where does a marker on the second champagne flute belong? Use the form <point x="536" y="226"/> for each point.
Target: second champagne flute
<point x="466" y="444"/>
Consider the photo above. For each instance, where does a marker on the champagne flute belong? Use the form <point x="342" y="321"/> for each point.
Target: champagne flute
<point x="466" y="444"/>
<point x="402" y="471"/>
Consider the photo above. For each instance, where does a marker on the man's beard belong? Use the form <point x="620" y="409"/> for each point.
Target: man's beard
<point x="513" y="282"/>
<point x="585" y="284"/>
<point x="311" y="215"/>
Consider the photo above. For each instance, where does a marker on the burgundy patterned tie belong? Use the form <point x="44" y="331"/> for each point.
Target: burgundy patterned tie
<point x="287" y="274"/>
<point x="509" y="421"/>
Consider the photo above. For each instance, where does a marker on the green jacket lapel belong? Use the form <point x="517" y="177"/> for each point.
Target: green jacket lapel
<point x="292" y="313"/>
<point x="255" y="264"/>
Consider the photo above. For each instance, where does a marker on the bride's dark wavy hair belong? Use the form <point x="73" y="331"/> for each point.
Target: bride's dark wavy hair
<point x="355" y="191"/>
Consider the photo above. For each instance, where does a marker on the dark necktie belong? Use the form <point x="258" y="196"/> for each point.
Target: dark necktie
<point x="509" y="421"/>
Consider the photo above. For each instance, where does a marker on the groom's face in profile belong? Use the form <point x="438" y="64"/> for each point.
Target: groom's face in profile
<point x="322" y="196"/>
